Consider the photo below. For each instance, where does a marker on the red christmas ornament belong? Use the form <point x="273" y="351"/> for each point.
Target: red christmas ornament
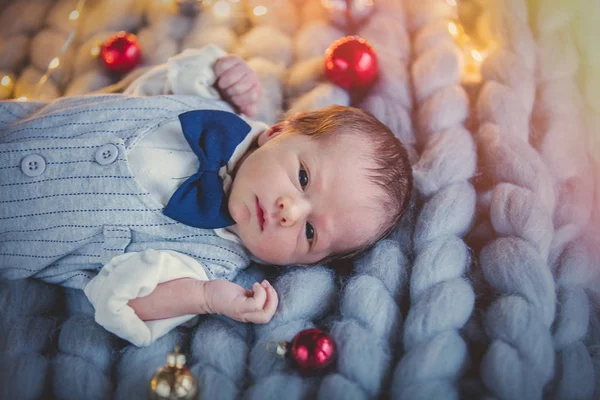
<point x="121" y="52"/>
<point x="351" y="63"/>
<point x="312" y="350"/>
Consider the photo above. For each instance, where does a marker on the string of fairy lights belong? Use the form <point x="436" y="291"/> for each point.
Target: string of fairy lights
<point x="474" y="53"/>
<point x="8" y="82"/>
<point x="474" y="48"/>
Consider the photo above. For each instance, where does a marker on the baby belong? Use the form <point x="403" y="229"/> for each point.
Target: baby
<point x="152" y="204"/>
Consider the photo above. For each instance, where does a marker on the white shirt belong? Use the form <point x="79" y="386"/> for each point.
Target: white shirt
<point x="161" y="162"/>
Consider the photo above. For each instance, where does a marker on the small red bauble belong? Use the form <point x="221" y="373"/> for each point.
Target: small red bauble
<point x="312" y="350"/>
<point x="121" y="52"/>
<point x="351" y="63"/>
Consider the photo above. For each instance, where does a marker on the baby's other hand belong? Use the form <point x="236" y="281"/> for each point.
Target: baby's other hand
<point x="238" y="83"/>
<point x="257" y="305"/>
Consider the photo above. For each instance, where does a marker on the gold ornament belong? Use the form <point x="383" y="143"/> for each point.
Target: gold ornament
<point x="173" y="381"/>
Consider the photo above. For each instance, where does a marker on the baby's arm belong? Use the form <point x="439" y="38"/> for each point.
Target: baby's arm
<point x="190" y="296"/>
<point x="207" y="72"/>
<point x="140" y="296"/>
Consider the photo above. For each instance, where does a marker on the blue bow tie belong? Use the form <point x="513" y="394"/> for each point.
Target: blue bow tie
<point x="213" y="135"/>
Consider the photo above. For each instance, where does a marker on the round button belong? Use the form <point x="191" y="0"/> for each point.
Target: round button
<point x="33" y="165"/>
<point x="106" y="154"/>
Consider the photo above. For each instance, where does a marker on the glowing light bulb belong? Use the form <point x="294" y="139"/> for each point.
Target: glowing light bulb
<point x="453" y="29"/>
<point x="260" y="10"/>
<point x="477" y="56"/>
<point x="473" y="59"/>
<point x="6" y="87"/>
<point x="54" y="63"/>
<point x="74" y="15"/>
<point x="94" y="51"/>
<point x="221" y="8"/>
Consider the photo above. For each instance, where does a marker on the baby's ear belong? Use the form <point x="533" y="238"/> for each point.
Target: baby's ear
<point x="270" y="133"/>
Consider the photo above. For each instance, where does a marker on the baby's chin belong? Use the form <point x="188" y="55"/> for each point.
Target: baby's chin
<point x="258" y="251"/>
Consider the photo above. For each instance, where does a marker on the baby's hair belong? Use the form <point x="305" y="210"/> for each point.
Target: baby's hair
<point x="392" y="171"/>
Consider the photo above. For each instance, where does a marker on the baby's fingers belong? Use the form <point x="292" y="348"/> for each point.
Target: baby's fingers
<point x="242" y="86"/>
<point x="257" y="299"/>
<point x="227" y="62"/>
<point x="272" y="301"/>
<point x="233" y="76"/>
<point x="263" y="316"/>
<point x="248" y="102"/>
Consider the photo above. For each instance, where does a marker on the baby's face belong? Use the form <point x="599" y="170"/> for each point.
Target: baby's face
<point x="297" y="200"/>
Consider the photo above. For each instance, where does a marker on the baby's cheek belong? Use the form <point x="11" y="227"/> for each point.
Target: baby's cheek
<point x="238" y="211"/>
<point x="272" y="251"/>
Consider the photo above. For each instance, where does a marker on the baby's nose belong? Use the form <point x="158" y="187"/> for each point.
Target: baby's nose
<point x="291" y="210"/>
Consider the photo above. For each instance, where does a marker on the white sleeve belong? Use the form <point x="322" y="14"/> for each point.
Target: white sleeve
<point x="190" y="72"/>
<point x="133" y="275"/>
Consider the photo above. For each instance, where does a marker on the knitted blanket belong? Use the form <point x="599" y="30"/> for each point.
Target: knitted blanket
<point x="490" y="286"/>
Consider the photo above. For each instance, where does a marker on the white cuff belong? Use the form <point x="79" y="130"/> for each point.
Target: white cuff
<point x="132" y="275"/>
<point x="188" y="73"/>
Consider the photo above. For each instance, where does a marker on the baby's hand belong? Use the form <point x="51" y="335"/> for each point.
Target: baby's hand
<point x="238" y="83"/>
<point x="257" y="305"/>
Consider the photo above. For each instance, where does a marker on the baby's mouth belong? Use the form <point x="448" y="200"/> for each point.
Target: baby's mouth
<point x="260" y="215"/>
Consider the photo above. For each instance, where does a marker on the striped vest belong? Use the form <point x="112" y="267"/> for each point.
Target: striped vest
<point x="68" y="200"/>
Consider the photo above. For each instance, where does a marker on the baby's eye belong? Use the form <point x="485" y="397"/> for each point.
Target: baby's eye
<point x="303" y="177"/>
<point x="310" y="232"/>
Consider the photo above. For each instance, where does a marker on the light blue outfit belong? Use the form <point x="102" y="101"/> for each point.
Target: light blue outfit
<point x="83" y="184"/>
<point x="68" y="200"/>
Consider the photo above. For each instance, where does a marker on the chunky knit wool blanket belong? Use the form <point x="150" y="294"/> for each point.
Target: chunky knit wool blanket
<point x="490" y="286"/>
